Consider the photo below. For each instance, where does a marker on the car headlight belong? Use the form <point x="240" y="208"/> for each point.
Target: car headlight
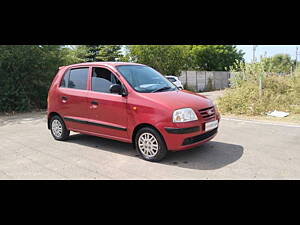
<point x="184" y="115"/>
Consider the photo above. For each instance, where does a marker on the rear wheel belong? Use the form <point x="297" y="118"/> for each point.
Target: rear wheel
<point x="58" y="129"/>
<point x="150" y="144"/>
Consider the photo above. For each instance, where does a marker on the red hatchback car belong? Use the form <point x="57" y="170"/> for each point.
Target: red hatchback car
<point x="132" y="103"/>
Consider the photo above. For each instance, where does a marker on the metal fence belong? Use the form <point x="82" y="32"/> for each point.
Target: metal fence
<point x="205" y="80"/>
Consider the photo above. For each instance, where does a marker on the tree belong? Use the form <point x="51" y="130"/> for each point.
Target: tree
<point x="74" y="54"/>
<point x="215" y="57"/>
<point x="167" y="59"/>
<point x="109" y="53"/>
<point x="96" y="53"/>
<point x="280" y="63"/>
<point x="91" y="52"/>
<point x="171" y="59"/>
<point x="26" y="72"/>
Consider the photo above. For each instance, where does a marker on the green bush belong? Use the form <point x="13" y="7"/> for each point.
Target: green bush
<point x="246" y="97"/>
<point x="26" y="72"/>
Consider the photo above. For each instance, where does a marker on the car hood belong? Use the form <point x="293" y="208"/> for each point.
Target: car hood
<point x="179" y="99"/>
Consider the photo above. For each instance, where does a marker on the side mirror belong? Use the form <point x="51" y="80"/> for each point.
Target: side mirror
<point x="118" y="89"/>
<point x="115" y="88"/>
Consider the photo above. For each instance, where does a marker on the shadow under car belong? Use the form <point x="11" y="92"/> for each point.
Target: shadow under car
<point x="208" y="156"/>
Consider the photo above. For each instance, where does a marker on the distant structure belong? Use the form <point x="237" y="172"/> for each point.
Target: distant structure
<point x="254" y="49"/>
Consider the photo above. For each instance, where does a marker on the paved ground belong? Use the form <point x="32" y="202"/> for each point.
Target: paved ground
<point x="213" y="95"/>
<point x="241" y="150"/>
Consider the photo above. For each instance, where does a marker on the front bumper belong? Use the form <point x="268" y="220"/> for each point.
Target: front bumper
<point x="186" y="135"/>
<point x="201" y="137"/>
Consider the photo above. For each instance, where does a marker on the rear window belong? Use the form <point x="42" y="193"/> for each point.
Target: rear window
<point x="78" y="78"/>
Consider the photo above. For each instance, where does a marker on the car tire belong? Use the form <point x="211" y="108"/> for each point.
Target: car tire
<point x="150" y="144"/>
<point x="58" y="129"/>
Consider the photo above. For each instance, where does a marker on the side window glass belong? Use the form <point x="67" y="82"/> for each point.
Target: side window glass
<point x="64" y="81"/>
<point x="78" y="78"/>
<point x="102" y="79"/>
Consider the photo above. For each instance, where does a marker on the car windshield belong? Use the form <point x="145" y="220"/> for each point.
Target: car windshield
<point x="145" y="79"/>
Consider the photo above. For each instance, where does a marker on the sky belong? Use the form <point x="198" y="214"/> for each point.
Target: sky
<point x="270" y="50"/>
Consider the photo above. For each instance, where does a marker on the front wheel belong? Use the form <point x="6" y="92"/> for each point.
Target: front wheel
<point x="150" y="144"/>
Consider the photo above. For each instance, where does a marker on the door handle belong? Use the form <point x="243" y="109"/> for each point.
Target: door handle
<point x="94" y="102"/>
<point x="64" y="99"/>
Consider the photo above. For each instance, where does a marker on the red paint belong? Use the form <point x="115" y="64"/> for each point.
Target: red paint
<point x="125" y="112"/>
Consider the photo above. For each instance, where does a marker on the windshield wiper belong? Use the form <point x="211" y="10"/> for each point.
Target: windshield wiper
<point x="161" y="89"/>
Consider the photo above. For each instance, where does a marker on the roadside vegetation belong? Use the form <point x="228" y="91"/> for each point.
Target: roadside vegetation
<point x="172" y="59"/>
<point x="261" y="87"/>
<point x="26" y="71"/>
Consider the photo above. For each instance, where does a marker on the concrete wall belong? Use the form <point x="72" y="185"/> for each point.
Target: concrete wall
<point x="198" y="80"/>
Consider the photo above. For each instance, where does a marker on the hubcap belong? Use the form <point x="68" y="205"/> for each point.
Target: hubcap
<point x="57" y="128"/>
<point x="148" y="144"/>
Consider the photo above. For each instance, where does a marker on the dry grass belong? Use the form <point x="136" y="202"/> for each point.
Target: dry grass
<point x="291" y="119"/>
<point x="280" y="93"/>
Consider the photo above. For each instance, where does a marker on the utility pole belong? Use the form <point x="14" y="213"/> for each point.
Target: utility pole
<point x="260" y="75"/>
<point x="296" y="57"/>
<point x="254" y="49"/>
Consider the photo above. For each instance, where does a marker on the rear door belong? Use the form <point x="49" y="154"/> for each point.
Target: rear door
<point x="107" y="111"/>
<point x="73" y="98"/>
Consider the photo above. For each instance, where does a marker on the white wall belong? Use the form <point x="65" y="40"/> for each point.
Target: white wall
<point x="198" y="80"/>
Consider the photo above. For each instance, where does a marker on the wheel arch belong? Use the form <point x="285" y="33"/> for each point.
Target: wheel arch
<point x="140" y="126"/>
<point x="50" y="116"/>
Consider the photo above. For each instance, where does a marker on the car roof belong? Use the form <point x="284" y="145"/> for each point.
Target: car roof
<point x="110" y="64"/>
<point x="171" y="76"/>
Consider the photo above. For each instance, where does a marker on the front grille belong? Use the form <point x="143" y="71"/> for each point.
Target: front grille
<point x="200" y="137"/>
<point x="208" y="113"/>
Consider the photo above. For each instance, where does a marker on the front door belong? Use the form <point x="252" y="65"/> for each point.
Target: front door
<point x="107" y="111"/>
